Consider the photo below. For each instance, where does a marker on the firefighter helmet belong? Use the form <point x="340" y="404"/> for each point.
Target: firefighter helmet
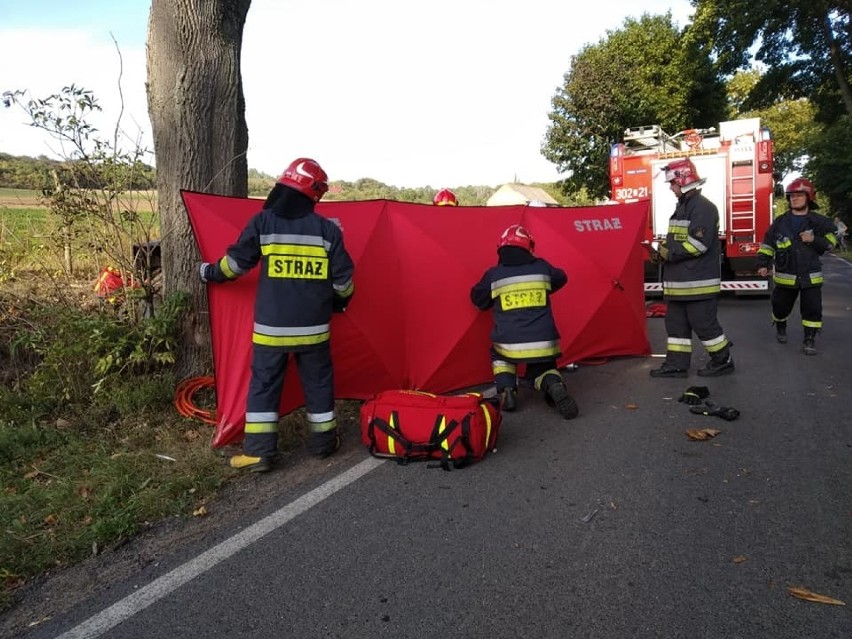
<point x="517" y="235"/>
<point x="682" y="172"/>
<point x="803" y="185"/>
<point x="307" y="177"/>
<point x="445" y="197"/>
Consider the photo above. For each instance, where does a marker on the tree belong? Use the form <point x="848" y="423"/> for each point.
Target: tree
<point x="197" y="110"/>
<point x="806" y="46"/>
<point x="645" y="73"/>
<point x="830" y="164"/>
<point x="790" y="121"/>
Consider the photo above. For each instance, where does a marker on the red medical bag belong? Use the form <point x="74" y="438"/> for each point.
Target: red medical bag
<point x="412" y="425"/>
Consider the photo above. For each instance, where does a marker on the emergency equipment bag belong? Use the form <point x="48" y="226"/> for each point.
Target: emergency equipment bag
<point x="414" y="426"/>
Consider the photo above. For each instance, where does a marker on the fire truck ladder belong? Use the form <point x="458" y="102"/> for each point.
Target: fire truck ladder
<point x="743" y="200"/>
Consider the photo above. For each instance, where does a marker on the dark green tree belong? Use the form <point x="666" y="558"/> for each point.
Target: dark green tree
<point x="806" y="46"/>
<point x="790" y="121"/>
<point x="830" y="166"/>
<point x="648" y="72"/>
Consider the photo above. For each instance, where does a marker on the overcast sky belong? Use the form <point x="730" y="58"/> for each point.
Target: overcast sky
<point x="440" y="93"/>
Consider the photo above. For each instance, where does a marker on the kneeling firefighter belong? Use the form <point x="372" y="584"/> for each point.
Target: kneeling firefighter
<point x="305" y="275"/>
<point x="518" y="289"/>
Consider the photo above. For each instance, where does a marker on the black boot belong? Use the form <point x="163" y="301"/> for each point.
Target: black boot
<point x="781" y="332"/>
<point x="557" y="396"/>
<point x="508" y="399"/>
<point x="808" y="345"/>
<point x="720" y="364"/>
<point x="668" y="371"/>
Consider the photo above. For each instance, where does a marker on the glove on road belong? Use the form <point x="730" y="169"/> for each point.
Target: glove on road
<point x="711" y="410"/>
<point x="694" y="394"/>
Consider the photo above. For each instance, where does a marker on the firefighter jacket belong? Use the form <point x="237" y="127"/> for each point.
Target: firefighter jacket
<point x="692" y="270"/>
<point x="305" y="272"/>
<point x="797" y="264"/>
<point x="519" y="294"/>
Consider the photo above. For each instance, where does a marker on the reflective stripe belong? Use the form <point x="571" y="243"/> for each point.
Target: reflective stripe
<point x="679" y="344"/>
<point x="392" y="424"/>
<point x="281" y="331"/>
<point x="262" y="417"/>
<point x="785" y="279"/>
<point x="305" y="340"/>
<point x="519" y="283"/>
<point x="816" y="277"/>
<point x="345" y="289"/>
<point x="256" y="428"/>
<point x="323" y="427"/>
<point x="441" y="428"/>
<point x="810" y="324"/>
<point x="293" y="249"/>
<point x="290" y="335"/>
<point x="487" y="424"/>
<point x="548" y="348"/>
<point x="289" y="238"/>
<point x="229" y="268"/>
<point x="706" y="290"/>
<point x="717" y="344"/>
<point x="320" y="417"/>
<point x="500" y="366"/>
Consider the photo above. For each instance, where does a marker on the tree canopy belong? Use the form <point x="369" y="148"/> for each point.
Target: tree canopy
<point x="806" y="46"/>
<point x="648" y="72"/>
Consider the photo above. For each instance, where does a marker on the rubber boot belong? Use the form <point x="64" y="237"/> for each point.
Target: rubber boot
<point x="508" y="399"/>
<point x="556" y="395"/>
<point x="322" y="444"/>
<point x="720" y="363"/>
<point x="808" y="346"/>
<point x="781" y="332"/>
<point x="251" y="464"/>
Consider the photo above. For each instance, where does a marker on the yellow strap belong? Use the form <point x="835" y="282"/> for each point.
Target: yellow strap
<point x="392" y="424"/>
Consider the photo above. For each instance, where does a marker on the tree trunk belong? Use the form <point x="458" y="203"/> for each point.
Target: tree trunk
<point x="197" y="110"/>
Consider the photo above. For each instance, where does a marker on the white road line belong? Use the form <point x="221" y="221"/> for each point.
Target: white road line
<point x="156" y="590"/>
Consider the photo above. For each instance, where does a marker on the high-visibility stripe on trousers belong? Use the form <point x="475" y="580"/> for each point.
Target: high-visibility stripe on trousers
<point x="268" y="368"/>
<point x="682" y="318"/>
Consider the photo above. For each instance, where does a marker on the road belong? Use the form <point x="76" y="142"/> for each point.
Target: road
<point x="613" y="525"/>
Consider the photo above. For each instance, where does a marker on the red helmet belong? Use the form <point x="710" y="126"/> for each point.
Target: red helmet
<point x="682" y="172"/>
<point x="517" y="235"/>
<point x="307" y="177"/>
<point x="802" y="185"/>
<point x="445" y="197"/>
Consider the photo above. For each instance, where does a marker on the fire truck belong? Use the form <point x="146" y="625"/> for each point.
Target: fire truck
<point x="736" y="161"/>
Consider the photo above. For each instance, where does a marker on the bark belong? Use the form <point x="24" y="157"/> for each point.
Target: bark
<point x="197" y="111"/>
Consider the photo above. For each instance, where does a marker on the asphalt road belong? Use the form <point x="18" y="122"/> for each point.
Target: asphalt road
<point x="612" y="525"/>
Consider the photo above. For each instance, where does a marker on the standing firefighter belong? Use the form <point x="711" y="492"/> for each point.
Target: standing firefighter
<point x="519" y="289"/>
<point x="794" y="244"/>
<point x="305" y="275"/>
<point x="691" y="277"/>
<point x="445" y="197"/>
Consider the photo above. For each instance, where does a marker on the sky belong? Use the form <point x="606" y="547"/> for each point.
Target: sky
<point x="442" y="93"/>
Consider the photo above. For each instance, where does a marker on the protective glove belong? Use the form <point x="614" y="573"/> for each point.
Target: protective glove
<point x="203" y="271"/>
<point x="694" y="394"/>
<point x="711" y="410"/>
<point x="663" y="251"/>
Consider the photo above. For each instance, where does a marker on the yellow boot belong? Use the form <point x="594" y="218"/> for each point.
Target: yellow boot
<point x="251" y="464"/>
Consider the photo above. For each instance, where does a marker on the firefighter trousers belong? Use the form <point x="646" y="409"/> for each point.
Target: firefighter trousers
<point x="700" y="316"/>
<point x="537" y="374"/>
<point x="268" y="367"/>
<point x="810" y="304"/>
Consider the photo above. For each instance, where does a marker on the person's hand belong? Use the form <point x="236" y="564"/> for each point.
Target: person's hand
<point x="807" y="236"/>
<point x="763" y="271"/>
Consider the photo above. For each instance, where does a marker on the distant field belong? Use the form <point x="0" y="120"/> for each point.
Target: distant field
<point x="141" y="201"/>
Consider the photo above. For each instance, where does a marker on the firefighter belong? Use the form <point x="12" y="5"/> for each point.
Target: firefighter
<point x="305" y="275"/>
<point x="692" y="278"/>
<point x="445" y="197"/>
<point x="518" y="289"/>
<point x="794" y="244"/>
